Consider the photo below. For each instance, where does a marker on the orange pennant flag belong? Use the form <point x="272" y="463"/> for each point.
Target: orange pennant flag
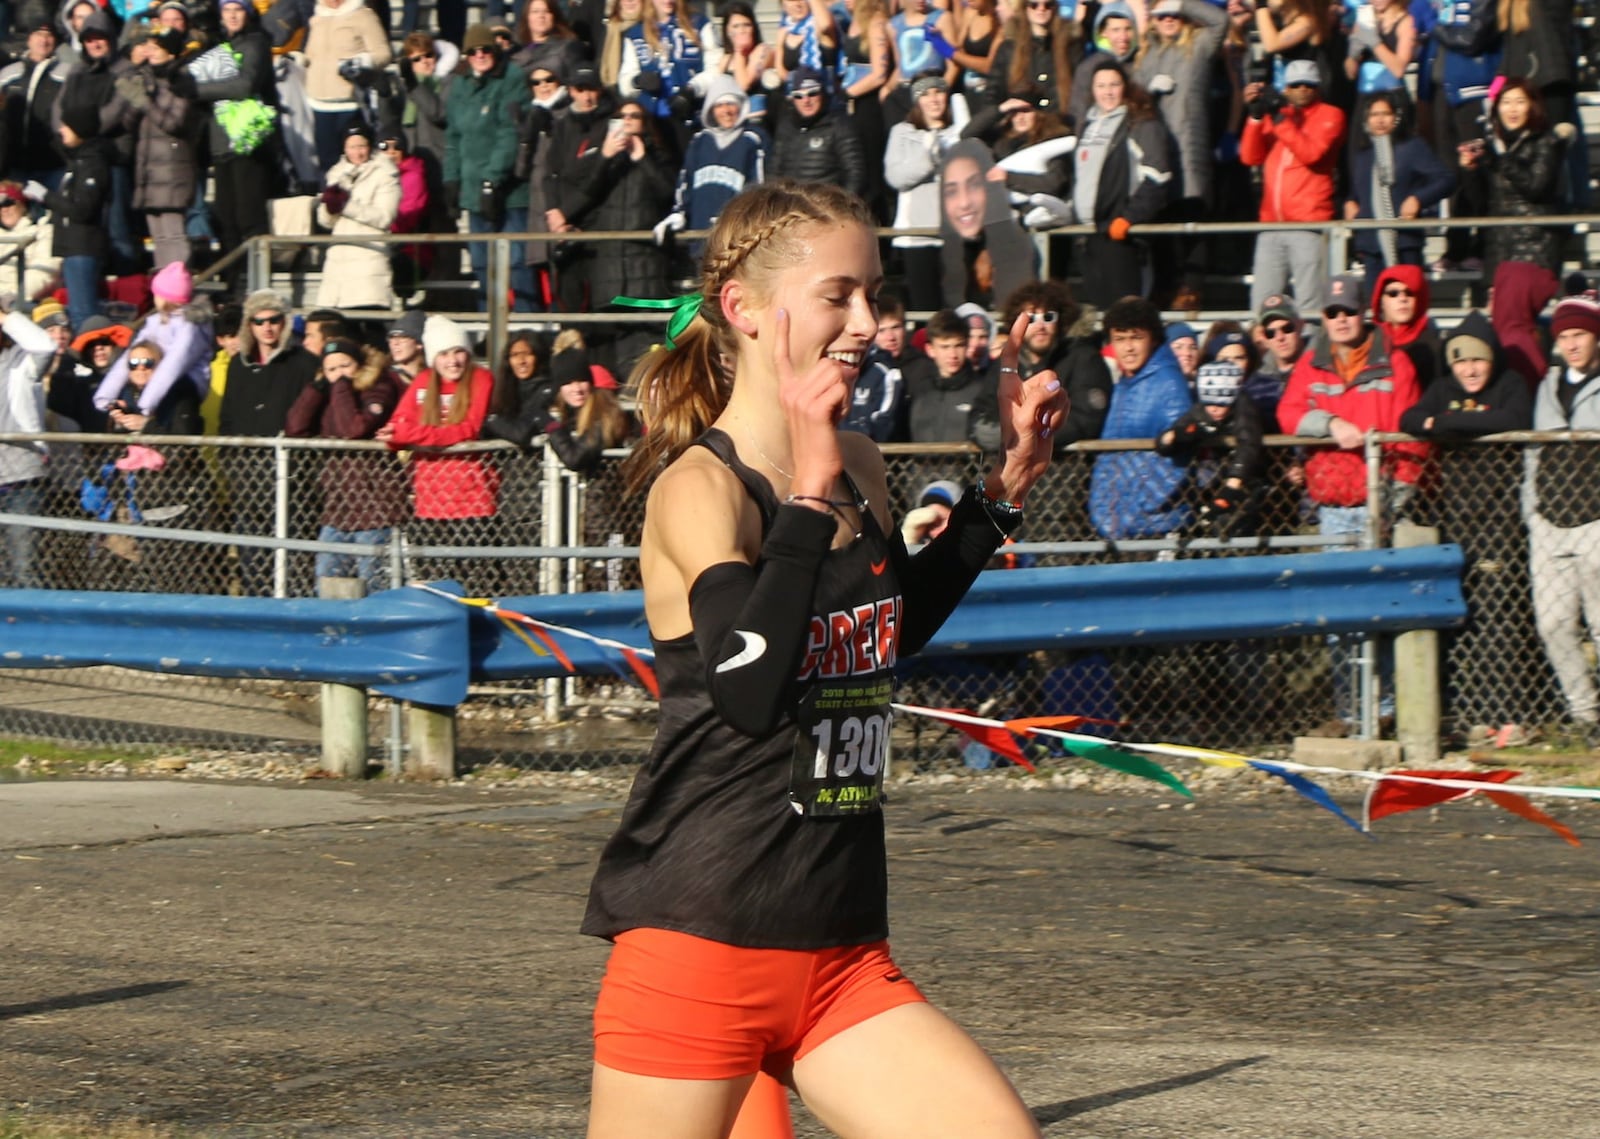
<point x="1519" y="805"/>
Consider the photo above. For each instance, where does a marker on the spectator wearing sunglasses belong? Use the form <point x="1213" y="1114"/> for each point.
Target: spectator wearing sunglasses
<point x="1295" y="139"/>
<point x="427" y="70"/>
<point x="1400" y="311"/>
<point x="180" y="324"/>
<point x="814" y="144"/>
<point x="1061" y="337"/>
<point x="264" y="380"/>
<point x="1280" y="336"/>
<point x="480" y="153"/>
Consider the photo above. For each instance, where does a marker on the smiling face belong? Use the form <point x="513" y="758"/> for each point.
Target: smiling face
<point x="452" y="364"/>
<point x="1108" y="88"/>
<point x="965" y="196"/>
<point x="1187" y="350"/>
<point x="726" y="114"/>
<point x="1513" y="109"/>
<point x="934" y="104"/>
<point x="1472" y="375"/>
<point x="829" y="288"/>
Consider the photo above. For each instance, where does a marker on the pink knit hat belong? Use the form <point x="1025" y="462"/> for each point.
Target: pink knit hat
<point x="173" y="284"/>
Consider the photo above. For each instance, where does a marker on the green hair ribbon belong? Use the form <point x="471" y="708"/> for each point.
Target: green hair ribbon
<point x="683" y="311"/>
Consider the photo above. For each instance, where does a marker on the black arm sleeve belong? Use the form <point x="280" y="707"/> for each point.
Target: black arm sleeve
<point x="750" y="622"/>
<point x="933" y="582"/>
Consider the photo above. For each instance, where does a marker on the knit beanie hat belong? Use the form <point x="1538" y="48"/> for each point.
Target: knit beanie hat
<point x="49" y="314"/>
<point x="1581" y="312"/>
<point x="1472" y="339"/>
<point x="441" y="334"/>
<point x="173" y="284"/>
<point x="570" y="367"/>
<point x="1218" y="383"/>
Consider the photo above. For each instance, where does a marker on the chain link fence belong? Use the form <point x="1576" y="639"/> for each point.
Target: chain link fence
<point x="269" y="517"/>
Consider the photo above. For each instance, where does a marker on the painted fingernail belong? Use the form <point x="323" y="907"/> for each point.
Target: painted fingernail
<point x="783" y="314"/>
<point x="1045" y="434"/>
<point x="1053" y="386"/>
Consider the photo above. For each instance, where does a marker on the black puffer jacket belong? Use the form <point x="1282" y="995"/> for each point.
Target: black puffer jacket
<point x="820" y="148"/>
<point x="619" y="193"/>
<point x="93" y="83"/>
<point x="573" y="134"/>
<point x="1524" y="180"/>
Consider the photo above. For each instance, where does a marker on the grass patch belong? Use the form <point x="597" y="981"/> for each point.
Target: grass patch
<point x="41" y="757"/>
<point x="20" y="1127"/>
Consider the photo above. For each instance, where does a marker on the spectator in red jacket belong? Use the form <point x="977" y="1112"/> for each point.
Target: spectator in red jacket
<point x="1350" y="383"/>
<point x="455" y="494"/>
<point x="1295" y="137"/>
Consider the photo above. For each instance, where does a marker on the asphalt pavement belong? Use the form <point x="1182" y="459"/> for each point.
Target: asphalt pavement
<point x="375" y="961"/>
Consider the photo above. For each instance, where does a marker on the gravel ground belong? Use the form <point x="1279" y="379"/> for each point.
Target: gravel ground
<point x="1142" y="965"/>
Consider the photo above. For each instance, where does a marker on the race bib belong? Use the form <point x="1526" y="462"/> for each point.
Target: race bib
<point x="842" y="745"/>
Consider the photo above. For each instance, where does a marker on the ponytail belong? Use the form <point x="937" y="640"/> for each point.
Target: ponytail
<point x="680" y="391"/>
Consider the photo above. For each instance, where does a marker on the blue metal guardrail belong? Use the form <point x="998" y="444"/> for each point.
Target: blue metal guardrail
<point x="418" y="646"/>
<point x="403" y="643"/>
<point x="1082" y="607"/>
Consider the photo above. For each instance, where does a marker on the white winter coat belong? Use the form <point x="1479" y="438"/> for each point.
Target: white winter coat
<point x="358" y="276"/>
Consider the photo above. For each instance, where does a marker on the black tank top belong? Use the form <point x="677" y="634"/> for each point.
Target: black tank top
<point x="771" y="843"/>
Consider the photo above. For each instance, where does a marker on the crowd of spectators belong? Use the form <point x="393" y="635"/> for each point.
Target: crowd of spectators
<point x="140" y="145"/>
<point x="197" y="126"/>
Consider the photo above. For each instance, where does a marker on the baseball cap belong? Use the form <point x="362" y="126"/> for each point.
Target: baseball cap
<point x="805" y="81"/>
<point x="1344" y="291"/>
<point x="1302" y="71"/>
<point x="585" y="79"/>
<point x="1280" y="307"/>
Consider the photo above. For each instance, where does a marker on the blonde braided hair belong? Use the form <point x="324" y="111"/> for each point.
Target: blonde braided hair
<point x="682" y="390"/>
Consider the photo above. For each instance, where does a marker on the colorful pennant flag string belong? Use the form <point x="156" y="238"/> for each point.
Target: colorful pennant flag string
<point x="1389" y="792"/>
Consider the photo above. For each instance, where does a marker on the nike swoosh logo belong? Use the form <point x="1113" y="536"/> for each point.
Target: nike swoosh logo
<point x="879" y="567"/>
<point x="755" y="645"/>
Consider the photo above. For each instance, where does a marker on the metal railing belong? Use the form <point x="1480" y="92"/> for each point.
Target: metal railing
<point x="243" y="516"/>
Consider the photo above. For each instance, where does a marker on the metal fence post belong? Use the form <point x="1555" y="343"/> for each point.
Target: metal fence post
<point x="397" y="720"/>
<point x="280" y="519"/>
<point x="498" y="286"/>
<point x="258" y="263"/>
<point x="1371" y="539"/>
<point x="551" y="529"/>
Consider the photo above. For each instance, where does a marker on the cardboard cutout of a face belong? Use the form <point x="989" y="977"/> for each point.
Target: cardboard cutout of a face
<point x="976" y="218"/>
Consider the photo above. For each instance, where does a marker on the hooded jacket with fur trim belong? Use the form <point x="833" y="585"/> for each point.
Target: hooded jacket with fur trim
<point x="361" y="490"/>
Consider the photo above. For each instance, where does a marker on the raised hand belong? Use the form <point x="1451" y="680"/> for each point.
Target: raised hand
<point x="813" y="404"/>
<point x="1030" y="412"/>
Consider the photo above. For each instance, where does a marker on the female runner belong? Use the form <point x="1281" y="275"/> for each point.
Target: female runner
<point x="745" y="889"/>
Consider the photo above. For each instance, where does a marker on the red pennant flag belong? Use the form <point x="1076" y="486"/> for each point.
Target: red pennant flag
<point x="1055" y="723"/>
<point x="997" y="740"/>
<point x="549" y="642"/>
<point x="646" y="674"/>
<point x="1519" y="805"/>
<point x="1395" y="797"/>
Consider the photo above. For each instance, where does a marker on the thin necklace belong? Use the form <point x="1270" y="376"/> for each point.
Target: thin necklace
<point x="766" y="458"/>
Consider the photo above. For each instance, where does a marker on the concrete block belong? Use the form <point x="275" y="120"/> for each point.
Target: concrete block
<point x="1351" y="755"/>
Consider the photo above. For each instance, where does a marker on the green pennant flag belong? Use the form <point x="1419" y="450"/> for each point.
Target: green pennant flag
<point x="1135" y="765"/>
